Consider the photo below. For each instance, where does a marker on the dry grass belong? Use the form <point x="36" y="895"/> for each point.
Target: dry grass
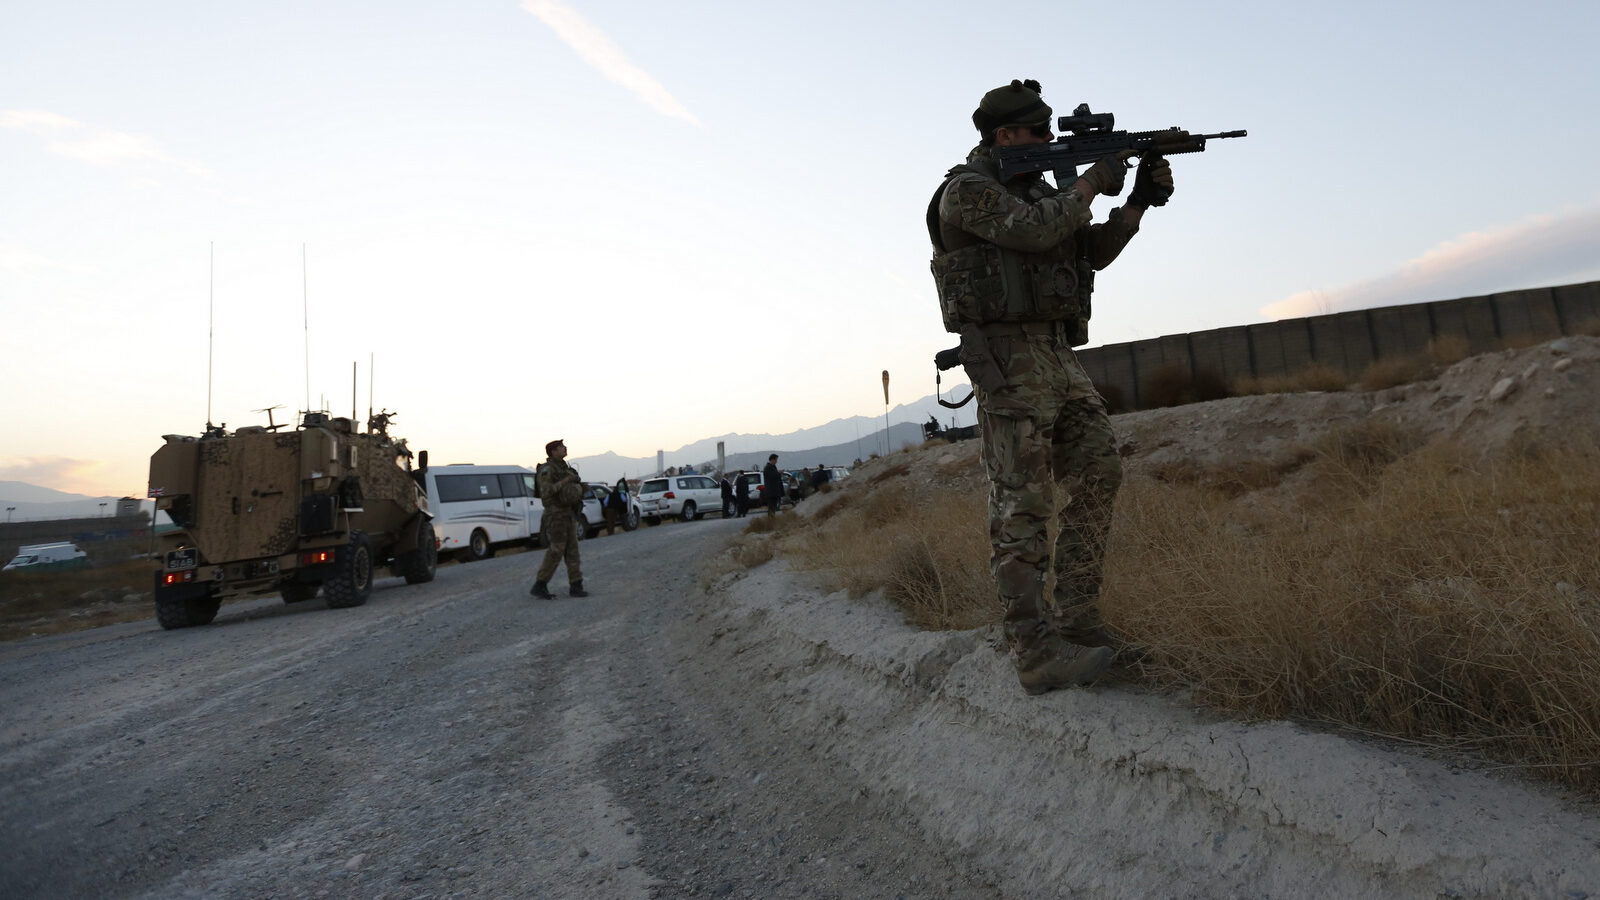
<point x="1441" y="599"/>
<point x="57" y="602"/>
<point x="1448" y="350"/>
<point x="1173" y="385"/>
<point x="1395" y="371"/>
<point x="1312" y="378"/>
<point x="1412" y="591"/>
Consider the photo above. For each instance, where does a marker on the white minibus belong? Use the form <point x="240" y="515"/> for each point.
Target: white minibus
<point x="476" y="508"/>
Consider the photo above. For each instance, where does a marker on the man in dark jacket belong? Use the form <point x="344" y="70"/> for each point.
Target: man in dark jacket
<point x="727" y="497"/>
<point x="772" y="485"/>
<point x="741" y="493"/>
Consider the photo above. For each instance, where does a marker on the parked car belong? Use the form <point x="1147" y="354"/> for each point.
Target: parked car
<point x="758" y="488"/>
<point x="598" y="492"/>
<point x="687" y="497"/>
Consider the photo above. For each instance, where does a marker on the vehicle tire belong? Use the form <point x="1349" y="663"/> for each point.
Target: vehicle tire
<point x="351" y="583"/>
<point x="174" y="610"/>
<point x="581" y="529"/>
<point x="689" y="514"/>
<point x="631" y="521"/>
<point x="652" y="520"/>
<point x="297" y="591"/>
<point x="478" y="547"/>
<point x="419" y="565"/>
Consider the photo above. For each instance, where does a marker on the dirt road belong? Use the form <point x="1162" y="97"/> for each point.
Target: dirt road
<point x="450" y="739"/>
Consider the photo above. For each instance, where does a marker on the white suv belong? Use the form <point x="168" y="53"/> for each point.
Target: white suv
<point x="686" y="496"/>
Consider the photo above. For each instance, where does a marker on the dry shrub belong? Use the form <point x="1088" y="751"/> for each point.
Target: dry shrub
<point x="928" y="550"/>
<point x="1174" y="385"/>
<point x="1316" y="377"/>
<point x="1395" y="371"/>
<point x="70" y="600"/>
<point x="1359" y="452"/>
<point x="1113" y="397"/>
<point x="1234" y="478"/>
<point x="1456" y="601"/>
<point x="1448" y="349"/>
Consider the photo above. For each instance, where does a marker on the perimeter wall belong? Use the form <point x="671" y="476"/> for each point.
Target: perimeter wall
<point x="1348" y="341"/>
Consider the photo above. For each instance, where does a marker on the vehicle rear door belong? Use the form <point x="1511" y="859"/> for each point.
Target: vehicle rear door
<point x="522" y="513"/>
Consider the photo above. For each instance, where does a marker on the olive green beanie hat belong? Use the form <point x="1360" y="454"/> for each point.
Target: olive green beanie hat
<point x="1017" y="103"/>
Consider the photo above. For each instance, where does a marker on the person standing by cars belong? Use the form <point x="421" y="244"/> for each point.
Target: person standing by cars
<point x="741" y="493"/>
<point x="561" y="491"/>
<point x="727" y="497"/>
<point x="1014" y="264"/>
<point x="772" y="485"/>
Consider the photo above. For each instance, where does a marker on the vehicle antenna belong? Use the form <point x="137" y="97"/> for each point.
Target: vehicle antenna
<point x="305" y="313"/>
<point x="211" y="333"/>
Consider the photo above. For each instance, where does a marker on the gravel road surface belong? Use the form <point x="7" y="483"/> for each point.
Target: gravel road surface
<point x="453" y="739"/>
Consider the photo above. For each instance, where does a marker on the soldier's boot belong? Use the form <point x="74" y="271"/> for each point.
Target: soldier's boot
<point x="1051" y="663"/>
<point x="541" y="590"/>
<point x="1091" y="632"/>
<point x="577" y="589"/>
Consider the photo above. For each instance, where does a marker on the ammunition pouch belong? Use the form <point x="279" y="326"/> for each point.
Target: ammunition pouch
<point x="979" y="363"/>
<point x="982" y="283"/>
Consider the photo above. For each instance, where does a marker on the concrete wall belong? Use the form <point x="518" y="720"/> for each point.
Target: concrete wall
<point x="1349" y="341"/>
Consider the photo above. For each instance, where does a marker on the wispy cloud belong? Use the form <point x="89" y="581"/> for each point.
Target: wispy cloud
<point x="1544" y="249"/>
<point x="95" y="146"/>
<point x="598" y="50"/>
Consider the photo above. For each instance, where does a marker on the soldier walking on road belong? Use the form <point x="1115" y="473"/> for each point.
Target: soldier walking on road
<point x="1014" y="263"/>
<point x="561" y="491"/>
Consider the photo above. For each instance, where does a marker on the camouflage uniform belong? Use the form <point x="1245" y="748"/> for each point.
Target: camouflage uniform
<point x="561" y="492"/>
<point x="1025" y="283"/>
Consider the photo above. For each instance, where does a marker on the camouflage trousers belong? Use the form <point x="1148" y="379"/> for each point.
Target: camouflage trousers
<point x="1050" y="453"/>
<point x="561" y="535"/>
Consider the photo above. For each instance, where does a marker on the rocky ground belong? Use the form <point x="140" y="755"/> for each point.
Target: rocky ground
<point x="753" y="737"/>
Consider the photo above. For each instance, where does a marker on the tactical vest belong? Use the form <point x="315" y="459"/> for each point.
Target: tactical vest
<point x="981" y="283"/>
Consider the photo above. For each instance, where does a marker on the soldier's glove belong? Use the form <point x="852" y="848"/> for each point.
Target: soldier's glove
<point x="1108" y="175"/>
<point x="1152" y="185"/>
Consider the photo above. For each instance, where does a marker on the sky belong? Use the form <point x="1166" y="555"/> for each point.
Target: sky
<point x="635" y="225"/>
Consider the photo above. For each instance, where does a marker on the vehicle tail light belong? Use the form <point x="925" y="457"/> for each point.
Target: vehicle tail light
<point x="667" y="496"/>
<point x="177" y="577"/>
<point x="316" y="557"/>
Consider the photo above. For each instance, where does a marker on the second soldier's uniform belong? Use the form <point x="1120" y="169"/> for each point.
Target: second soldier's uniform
<point x="561" y="492"/>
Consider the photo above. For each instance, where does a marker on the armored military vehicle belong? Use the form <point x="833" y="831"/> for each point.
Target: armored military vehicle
<point x="260" y="511"/>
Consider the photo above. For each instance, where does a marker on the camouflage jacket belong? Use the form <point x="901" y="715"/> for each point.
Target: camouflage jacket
<point x="559" y="485"/>
<point x="1021" y="251"/>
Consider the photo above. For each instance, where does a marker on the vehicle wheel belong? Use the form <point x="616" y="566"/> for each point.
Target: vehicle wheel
<point x="652" y="520"/>
<point x="419" y="565"/>
<point x="174" y="610"/>
<point x="689" y="514"/>
<point x="631" y="521"/>
<point x="351" y="583"/>
<point x="478" y="547"/>
<point x="581" y="529"/>
<point x="297" y="591"/>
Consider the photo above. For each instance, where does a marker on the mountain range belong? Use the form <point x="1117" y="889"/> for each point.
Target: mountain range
<point x="837" y="443"/>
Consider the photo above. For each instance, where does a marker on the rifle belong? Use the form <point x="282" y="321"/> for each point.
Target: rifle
<point x="1089" y="136"/>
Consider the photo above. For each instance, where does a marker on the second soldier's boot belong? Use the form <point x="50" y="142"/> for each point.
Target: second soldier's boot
<point x="541" y="591"/>
<point x="1051" y="663"/>
<point x="577" y="589"/>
